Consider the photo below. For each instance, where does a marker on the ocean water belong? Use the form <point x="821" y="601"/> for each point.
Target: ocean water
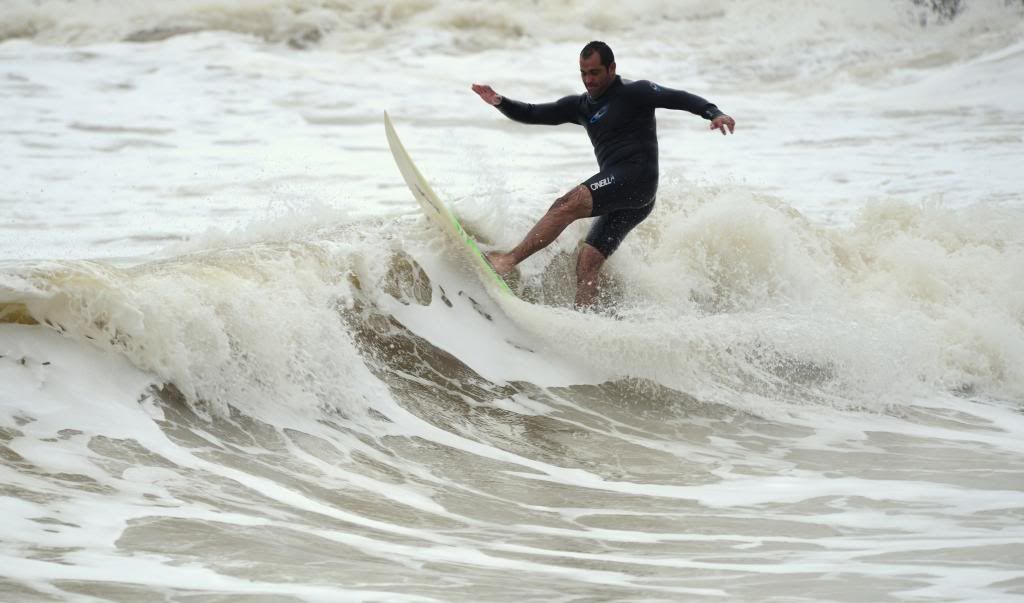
<point x="237" y="363"/>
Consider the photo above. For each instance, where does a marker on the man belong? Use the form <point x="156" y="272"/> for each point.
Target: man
<point x="619" y="118"/>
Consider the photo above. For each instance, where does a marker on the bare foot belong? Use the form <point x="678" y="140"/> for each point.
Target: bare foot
<point x="501" y="262"/>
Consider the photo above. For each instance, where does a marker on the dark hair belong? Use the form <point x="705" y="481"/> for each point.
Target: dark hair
<point x="607" y="56"/>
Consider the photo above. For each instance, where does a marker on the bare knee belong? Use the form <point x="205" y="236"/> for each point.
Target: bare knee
<point x="573" y="205"/>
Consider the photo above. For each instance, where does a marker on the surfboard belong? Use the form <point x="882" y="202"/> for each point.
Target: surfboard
<point x="438" y="213"/>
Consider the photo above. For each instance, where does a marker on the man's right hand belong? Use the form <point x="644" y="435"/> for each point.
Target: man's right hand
<point x="722" y="122"/>
<point x="488" y="94"/>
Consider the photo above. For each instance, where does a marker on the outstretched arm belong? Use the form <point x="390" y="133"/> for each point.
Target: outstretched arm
<point x="657" y="96"/>
<point x="562" y="111"/>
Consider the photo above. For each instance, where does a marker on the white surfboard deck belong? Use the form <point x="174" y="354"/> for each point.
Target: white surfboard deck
<point x="439" y="214"/>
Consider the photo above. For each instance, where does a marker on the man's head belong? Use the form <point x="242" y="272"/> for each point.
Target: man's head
<point x="597" y="68"/>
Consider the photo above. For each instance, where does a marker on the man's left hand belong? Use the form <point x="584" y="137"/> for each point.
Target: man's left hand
<point x="723" y="123"/>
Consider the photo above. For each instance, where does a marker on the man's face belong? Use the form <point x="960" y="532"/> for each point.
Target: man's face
<point x="596" y="77"/>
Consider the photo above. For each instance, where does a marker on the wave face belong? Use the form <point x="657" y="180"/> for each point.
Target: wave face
<point x="236" y="363"/>
<point x="727" y="290"/>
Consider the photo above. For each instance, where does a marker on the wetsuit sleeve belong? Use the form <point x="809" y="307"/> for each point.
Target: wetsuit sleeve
<point x="562" y="111"/>
<point x="652" y="95"/>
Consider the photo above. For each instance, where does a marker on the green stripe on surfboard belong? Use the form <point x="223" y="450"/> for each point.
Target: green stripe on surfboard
<point x="437" y="211"/>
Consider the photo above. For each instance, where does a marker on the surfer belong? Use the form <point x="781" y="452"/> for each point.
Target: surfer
<point x="618" y="115"/>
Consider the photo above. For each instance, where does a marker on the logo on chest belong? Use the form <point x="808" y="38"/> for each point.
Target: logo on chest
<point x="600" y="113"/>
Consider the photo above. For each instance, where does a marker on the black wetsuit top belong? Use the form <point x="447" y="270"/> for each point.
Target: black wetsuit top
<point x="620" y="122"/>
<point x="622" y="129"/>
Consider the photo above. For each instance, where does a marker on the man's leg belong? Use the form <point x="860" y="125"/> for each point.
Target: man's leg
<point x="588" y="265"/>
<point x="603" y="239"/>
<point x="568" y="208"/>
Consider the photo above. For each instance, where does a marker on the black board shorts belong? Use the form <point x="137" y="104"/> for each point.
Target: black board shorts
<point x="623" y="197"/>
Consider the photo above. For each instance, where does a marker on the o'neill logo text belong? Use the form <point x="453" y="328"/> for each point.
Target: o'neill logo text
<point x="600" y="113"/>
<point x="602" y="182"/>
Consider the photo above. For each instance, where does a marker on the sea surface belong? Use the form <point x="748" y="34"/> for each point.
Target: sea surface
<point x="238" y="364"/>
